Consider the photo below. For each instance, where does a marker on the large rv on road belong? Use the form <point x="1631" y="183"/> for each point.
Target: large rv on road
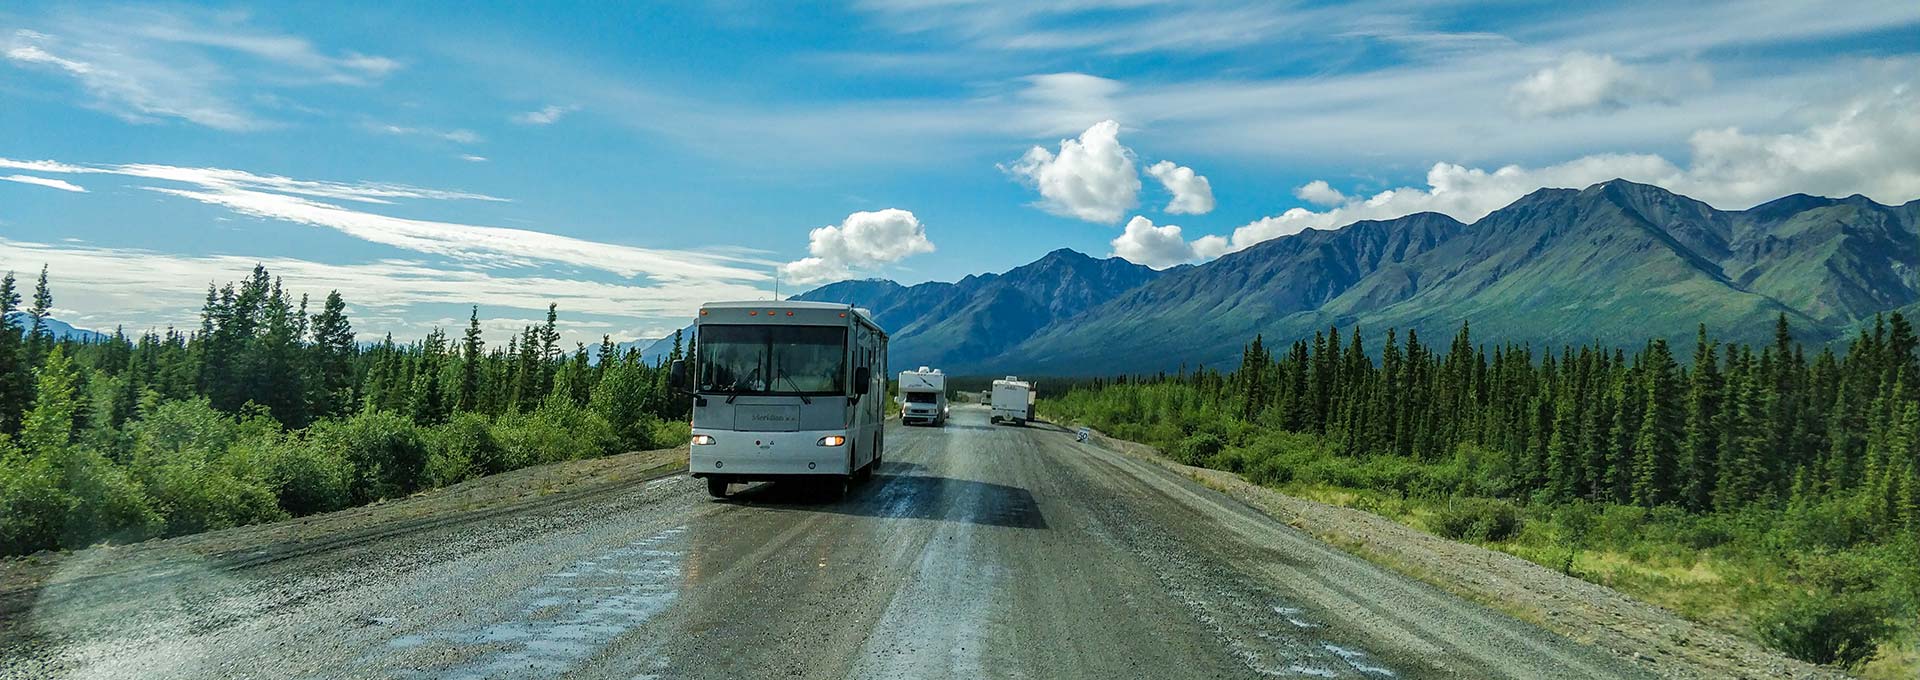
<point x="923" y="397"/>
<point x="1013" y="401"/>
<point x="785" y="390"/>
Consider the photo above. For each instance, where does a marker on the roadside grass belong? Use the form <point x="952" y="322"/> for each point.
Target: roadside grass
<point x="1703" y="585"/>
<point x="1735" y="572"/>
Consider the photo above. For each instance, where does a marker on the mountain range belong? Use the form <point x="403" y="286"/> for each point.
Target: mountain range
<point x="59" y="329"/>
<point x="1617" y="263"/>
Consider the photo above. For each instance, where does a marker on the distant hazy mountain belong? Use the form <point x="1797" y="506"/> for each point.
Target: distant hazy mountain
<point x="1617" y="262"/>
<point x="60" y="329"/>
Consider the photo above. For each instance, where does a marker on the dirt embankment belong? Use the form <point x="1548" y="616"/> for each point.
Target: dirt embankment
<point x="1651" y="637"/>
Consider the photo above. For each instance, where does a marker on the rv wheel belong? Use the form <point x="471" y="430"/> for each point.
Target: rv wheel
<point x="717" y="487"/>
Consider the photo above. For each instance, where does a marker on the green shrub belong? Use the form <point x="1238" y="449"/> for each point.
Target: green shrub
<point x="68" y="497"/>
<point x="669" y="434"/>
<point x="1828" y="628"/>
<point x="556" y="431"/>
<point x="204" y="470"/>
<point x="1705" y="533"/>
<point x="196" y="497"/>
<point x="623" y="399"/>
<point x="1271" y="471"/>
<point x="1198" y="448"/>
<point x="1835" y="523"/>
<point x="309" y="476"/>
<point x="1621" y="527"/>
<point x="1477" y="519"/>
<point x="384" y="451"/>
<point x="32" y="505"/>
<point x="461" y="448"/>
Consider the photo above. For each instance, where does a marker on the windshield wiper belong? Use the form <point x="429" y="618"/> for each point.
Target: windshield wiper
<point x="796" y="388"/>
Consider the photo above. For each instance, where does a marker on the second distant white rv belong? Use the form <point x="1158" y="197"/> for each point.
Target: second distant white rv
<point x="1013" y="401"/>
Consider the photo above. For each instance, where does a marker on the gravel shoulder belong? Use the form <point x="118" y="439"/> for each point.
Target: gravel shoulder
<point x="109" y="575"/>
<point x="1647" y="636"/>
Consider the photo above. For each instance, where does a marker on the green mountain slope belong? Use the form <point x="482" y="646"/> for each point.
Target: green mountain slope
<point x="1617" y="262"/>
<point x="980" y="317"/>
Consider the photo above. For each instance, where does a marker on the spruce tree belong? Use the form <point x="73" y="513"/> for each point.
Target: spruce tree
<point x="333" y="353"/>
<point x="1700" y="450"/>
<point x="39" y="339"/>
<point x="470" y="364"/>
<point x="16" y="386"/>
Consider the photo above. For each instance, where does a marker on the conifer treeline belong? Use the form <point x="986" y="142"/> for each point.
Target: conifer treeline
<point x="1736" y="426"/>
<point x="126" y="437"/>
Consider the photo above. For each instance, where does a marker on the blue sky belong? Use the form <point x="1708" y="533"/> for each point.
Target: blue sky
<point x="629" y="162"/>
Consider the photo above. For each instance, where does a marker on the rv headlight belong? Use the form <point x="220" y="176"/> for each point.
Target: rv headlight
<point x="832" y="440"/>
<point x="703" y="440"/>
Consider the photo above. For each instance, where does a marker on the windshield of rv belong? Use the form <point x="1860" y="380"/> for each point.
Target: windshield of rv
<point x="921" y="398"/>
<point x="773" y="359"/>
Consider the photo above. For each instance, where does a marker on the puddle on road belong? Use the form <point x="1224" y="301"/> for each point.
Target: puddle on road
<point x="564" y="620"/>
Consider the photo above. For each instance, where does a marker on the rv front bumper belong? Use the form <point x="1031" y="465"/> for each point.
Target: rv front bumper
<point x="747" y="456"/>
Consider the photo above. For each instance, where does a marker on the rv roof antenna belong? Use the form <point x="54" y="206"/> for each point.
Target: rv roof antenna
<point x="776" y="283"/>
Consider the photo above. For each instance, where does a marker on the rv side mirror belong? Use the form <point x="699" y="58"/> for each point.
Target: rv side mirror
<point x="862" y="380"/>
<point x="677" y="374"/>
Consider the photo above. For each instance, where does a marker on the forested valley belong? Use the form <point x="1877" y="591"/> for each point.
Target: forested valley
<point x="1770" y="489"/>
<point x="271" y="410"/>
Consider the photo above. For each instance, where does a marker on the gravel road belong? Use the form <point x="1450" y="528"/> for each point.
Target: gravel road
<point x="978" y="551"/>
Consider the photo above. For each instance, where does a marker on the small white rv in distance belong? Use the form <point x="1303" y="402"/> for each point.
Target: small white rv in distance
<point x="923" y="397"/>
<point x="1013" y="401"/>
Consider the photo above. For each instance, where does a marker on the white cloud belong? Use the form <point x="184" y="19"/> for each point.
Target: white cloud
<point x="1871" y="147"/>
<point x="1065" y="103"/>
<point x="470" y="158"/>
<point x="1318" y="192"/>
<point x="1866" y="148"/>
<point x="455" y="136"/>
<point x="863" y="240"/>
<point x="1163" y="246"/>
<point x="1465" y="193"/>
<point x="1092" y="178"/>
<point x="48" y="182"/>
<point x="1210" y="247"/>
<point x="1192" y="194"/>
<point x="143" y="289"/>
<point x="135" y="89"/>
<point x="145" y="64"/>
<point x="1583" y="82"/>
<point x="362" y="192"/>
<point x="547" y="115"/>
<point x="291" y="200"/>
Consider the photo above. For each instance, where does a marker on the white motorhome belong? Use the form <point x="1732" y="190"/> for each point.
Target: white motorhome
<point x="785" y="390"/>
<point x="1013" y="401"/>
<point x="923" y="397"/>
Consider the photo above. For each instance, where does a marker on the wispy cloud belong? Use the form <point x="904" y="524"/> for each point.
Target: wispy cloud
<point x="145" y="64"/>
<point x="547" y="115"/>
<point x="144" y="289"/>
<point x="48" y="182"/>
<point x="292" y="200"/>
<point x="470" y="158"/>
<point x="457" y="136"/>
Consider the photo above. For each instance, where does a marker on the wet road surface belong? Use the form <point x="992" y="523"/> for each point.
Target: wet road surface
<point x="977" y="551"/>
